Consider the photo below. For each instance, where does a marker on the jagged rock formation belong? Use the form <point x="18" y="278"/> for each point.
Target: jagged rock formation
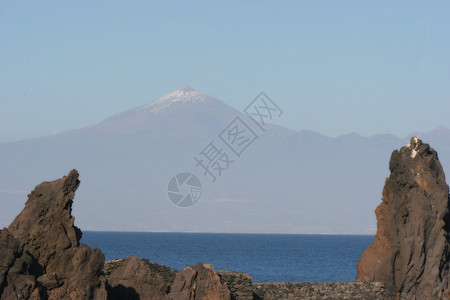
<point x="41" y="259"/>
<point x="411" y="250"/>
<point x="197" y="283"/>
<point x="46" y="242"/>
<point x="135" y="279"/>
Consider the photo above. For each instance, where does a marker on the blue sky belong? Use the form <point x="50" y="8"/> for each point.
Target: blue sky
<point x="333" y="66"/>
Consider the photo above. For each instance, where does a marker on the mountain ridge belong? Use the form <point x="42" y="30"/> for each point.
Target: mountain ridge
<point x="178" y="101"/>
<point x="189" y="111"/>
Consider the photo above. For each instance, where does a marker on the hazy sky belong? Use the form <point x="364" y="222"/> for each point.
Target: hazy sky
<point x="333" y="66"/>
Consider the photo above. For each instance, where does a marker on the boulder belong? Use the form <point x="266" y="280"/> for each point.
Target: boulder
<point x="135" y="278"/>
<point x="198" y="283"/>
<point x="239" y="284"/>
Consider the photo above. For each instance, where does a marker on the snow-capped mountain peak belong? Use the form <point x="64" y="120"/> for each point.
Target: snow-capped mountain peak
<point x="185" y="94"/>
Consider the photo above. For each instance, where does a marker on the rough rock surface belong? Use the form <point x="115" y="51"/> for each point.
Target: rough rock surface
<point x="239" y="284"/>
<point x="16" y="269"/>
<point x="135" y="278"/>
<point x="411" y="249"/>
<point x="48" y="240"/>
<point x="198" y="283"/>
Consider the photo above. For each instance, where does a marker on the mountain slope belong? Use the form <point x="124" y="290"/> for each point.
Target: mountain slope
<point x="183" y="113"/>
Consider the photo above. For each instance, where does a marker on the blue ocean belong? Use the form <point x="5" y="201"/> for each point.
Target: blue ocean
<point x="266" y="257"/>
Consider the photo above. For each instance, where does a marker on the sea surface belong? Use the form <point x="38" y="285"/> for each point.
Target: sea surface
<point x="266" y="257"/>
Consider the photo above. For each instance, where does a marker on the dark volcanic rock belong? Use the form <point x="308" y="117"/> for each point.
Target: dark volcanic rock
<point x="16" y="269"/>
<point x="239" y="284"/>
<point x="411" y="249"/>
<point x="198" y="283"/>
<point x="45" y="231"/>
<point x="135" y="278"/>
<point x="41" y="258"/>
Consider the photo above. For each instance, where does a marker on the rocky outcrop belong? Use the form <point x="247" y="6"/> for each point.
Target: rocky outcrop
<point x="198" y="283"/>
<point x="41" y="258"/>
<point x="411" y="249"/>
<point x="135" y="279"/>
<point x="46" y="244"/>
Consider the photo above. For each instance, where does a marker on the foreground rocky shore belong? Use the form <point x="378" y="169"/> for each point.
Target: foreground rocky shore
<point x="41" y="256"/>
